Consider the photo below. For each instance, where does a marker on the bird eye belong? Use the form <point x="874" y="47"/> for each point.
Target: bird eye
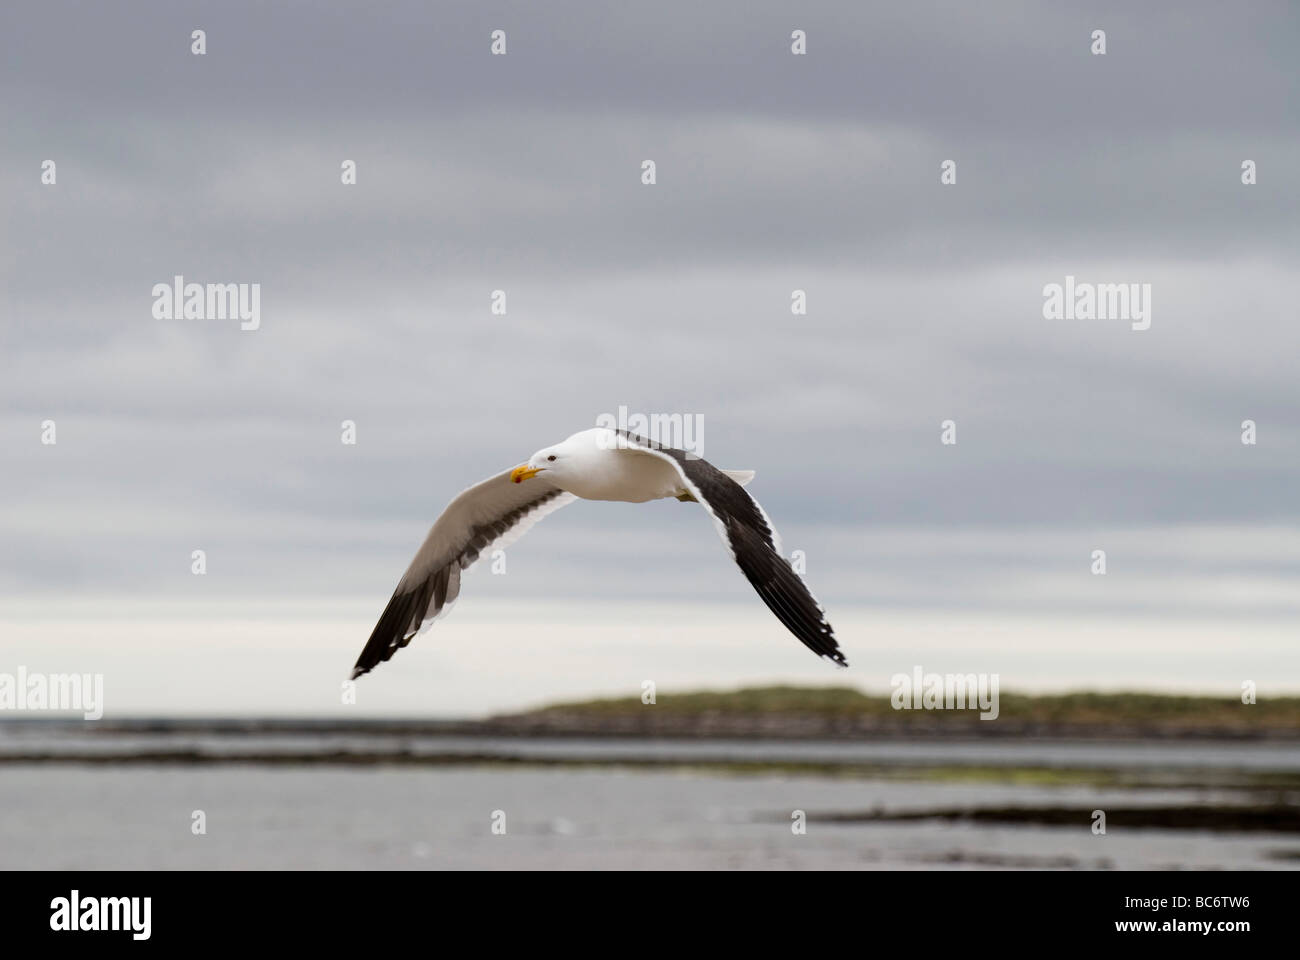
<point x="551" y="457"/>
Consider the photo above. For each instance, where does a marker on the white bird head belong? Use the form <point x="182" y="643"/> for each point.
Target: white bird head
<point x="566" y="457"/>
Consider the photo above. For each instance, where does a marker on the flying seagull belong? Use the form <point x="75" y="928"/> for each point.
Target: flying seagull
<point x="597" y="464"/>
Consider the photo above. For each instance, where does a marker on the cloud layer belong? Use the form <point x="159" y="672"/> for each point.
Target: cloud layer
<point x="775" y="173"/>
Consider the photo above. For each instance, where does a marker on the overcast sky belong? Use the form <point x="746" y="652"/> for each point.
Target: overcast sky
<point x="775" y="172"/>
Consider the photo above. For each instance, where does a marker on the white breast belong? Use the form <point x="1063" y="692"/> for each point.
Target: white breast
<point x="624" y="475"/>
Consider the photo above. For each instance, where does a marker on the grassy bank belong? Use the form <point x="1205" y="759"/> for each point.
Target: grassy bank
<point x="845" y="710"/>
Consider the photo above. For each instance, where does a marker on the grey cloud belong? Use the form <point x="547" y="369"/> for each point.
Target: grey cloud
<point x="521" y="172"/>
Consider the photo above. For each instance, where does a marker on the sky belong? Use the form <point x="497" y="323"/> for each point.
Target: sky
<point x="523" y="172"/>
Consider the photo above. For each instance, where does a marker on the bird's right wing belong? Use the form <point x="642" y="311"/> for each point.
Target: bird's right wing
<point x="753" y="541"/>
<point x="490" y="514"/>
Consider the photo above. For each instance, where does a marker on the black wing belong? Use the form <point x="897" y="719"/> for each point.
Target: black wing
<point x="755" y="546"/>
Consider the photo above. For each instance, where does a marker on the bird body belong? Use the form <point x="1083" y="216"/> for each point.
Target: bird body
<point x="596" y="464"/>
<point x="593" y="465"/>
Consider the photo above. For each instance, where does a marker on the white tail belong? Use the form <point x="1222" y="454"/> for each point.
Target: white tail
<point x="742" y="477"/>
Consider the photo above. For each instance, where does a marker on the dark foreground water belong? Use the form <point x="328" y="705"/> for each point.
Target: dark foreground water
<point x="55" y="816"/>
<point x="1169" y="755"/>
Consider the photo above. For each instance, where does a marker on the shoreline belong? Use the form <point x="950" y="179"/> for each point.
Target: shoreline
<point x="836" y="714"/>
<point x="559" y="725"/>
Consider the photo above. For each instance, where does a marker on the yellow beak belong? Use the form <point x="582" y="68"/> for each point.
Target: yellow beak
<point x="524" y="472"/>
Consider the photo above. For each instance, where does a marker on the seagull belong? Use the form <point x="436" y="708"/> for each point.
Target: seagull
<point x="597" y="464"/>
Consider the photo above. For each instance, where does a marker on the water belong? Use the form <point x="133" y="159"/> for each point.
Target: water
<point x="94" y="817"/>
<point x="45" y="739"/>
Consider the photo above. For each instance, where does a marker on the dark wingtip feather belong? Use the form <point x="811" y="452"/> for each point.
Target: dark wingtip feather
<point x="389" y="632"/>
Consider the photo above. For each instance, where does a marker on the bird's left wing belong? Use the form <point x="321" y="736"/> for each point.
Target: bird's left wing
<point x="754" y="544"/>
<point x="490" y="514"/>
